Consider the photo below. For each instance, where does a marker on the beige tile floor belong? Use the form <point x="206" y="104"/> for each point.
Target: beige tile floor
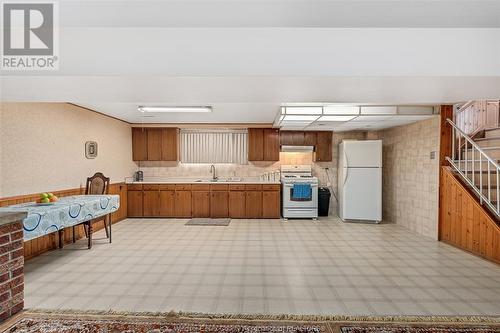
<point x="265" y="266"/>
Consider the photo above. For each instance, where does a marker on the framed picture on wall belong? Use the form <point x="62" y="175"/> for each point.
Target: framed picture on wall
<point x="90" y="149"/>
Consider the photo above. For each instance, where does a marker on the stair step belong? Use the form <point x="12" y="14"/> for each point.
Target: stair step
<point x="492" y="152"/>
<point x="491" y="132"/>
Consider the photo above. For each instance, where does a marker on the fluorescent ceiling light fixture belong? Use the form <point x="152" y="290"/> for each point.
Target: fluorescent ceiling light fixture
<point x="379" y="110"/>
<point x="341" y="109"/>
<point x="336" y="118"/>
<point x="317" y="110"/>
<point x="300" y="118"/>
<point x="174" y="109"/>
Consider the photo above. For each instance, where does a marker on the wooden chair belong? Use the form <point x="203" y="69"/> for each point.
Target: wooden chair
<point x="97" y="184"/>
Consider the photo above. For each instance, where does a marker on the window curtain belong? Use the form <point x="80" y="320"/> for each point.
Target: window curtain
<point x="214" y="146"/>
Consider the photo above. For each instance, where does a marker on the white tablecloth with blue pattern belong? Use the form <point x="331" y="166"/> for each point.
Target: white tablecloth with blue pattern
<point x="66" y="212"/>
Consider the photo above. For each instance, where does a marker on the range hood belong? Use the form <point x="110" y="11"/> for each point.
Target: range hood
<point x="297" y="149"/>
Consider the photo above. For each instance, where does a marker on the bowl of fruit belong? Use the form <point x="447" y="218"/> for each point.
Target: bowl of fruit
<point x="46" y="199"/>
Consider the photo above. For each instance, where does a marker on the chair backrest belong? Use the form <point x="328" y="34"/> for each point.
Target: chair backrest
<point x="97" y="184"/>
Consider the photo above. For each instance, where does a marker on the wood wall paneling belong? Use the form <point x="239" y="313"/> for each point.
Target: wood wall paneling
<point x="464" y="223"/>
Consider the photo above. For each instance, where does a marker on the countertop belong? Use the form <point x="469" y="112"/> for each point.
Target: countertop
<point x="203" y="181"/>
<point x="9" y="217"/>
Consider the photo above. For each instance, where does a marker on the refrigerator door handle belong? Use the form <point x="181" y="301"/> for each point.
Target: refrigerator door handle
<point x="346" y="168"/>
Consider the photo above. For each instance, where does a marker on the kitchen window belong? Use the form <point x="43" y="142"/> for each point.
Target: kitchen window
<point x="214" y="146"/>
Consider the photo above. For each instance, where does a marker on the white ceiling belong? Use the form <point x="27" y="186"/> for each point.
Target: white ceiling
<point x="246" y="58"/>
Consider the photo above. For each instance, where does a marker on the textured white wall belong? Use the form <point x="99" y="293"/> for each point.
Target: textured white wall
<point x="42" y="147"/>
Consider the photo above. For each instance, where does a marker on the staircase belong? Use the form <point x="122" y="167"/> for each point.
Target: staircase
<point x="476" y="150"/>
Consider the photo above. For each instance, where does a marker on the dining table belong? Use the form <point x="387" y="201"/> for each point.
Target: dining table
<point x="44" y="219"/>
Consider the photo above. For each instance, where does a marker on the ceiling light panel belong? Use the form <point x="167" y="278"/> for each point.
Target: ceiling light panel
<point x="375" y="110"/>
<point x="340" y="109"/>
<point x="336" y="118"/>
<point x="372" y="118"/>
<point x="302" y="110"/>
<point x="175" y="109"/>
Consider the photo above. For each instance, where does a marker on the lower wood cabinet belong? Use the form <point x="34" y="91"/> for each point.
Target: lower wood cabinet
<point x="167" y="203"/>
<point x="253" y="204"/>
<point x="134" y="203"/>
<point x="203" y="200"/>
<point x="271" y="204"/>
<point x="237" y="204"/>
<point x="183" y="203"/>
<point x="219" y="204"/>
<point x="201" y="203"/>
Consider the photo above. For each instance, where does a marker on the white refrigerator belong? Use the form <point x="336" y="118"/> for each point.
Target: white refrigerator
<point x="360" y="181"/>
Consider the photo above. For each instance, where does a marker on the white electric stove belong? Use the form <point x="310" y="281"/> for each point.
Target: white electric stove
<point x="304" y="208"/>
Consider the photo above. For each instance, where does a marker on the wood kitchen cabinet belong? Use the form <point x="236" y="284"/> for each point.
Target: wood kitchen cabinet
<point x="167" y="201"/>
<point x="134" y="201"/>
<point x="151" y="203"/>
<point x="292" y="138"/>
<point x="255" y="144"/>
<point x="183" y="201"/>
<point x="263" y="144"/>
<point x="201" y="203"/>
<point x="219" y="204"/>
<point x="253" y="203"/>
<point x="237" y="204"/>
<point x="154" y="144"/>
<point x="271" y="207"/>
<point x="271" y="144"/>
<point x="203" y="200"/>
<point x="310" y="138"/>
<point x="323" y="150"/>
<point x="169" y="144"/>
<point x="139" y="144"/>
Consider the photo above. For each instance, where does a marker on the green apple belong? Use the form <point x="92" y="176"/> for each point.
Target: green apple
<point x="49" y="195"/>
<point x="45" y="200"/>
<point x="44" y="195"/>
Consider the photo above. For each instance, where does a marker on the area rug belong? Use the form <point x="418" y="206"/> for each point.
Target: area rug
<point x="207" y="221"/>
<point x="69" y="321"/>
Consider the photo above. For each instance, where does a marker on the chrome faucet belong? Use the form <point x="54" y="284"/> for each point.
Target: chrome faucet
<point x="212" y="171"/>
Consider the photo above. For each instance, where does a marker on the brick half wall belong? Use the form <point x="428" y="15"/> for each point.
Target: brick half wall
<point x="11" y="268"/>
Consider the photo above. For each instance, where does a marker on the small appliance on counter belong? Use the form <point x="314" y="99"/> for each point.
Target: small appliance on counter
<point x="138" y="176"/>
<point x="299" y="192"/>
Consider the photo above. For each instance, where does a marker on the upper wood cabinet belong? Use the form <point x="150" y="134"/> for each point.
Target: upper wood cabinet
<point x="271" y="144"/>
<point x="169" y="144"/>
<point x="310" y="138"/>
<point x="263" y="144"/>
<point x="139" y="144"/>
<point x="323" y="146"/>
<point x="255" y="144"/>
<point x="292" y="138"/>
<point x="154" y="144"/>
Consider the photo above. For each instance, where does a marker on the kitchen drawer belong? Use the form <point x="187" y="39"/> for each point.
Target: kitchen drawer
<point x="134" y="187"/>
<point x="253" y="187"/>
<point x="183" y="187"/>
<point x="219" y="187"/>
<point x="150" y="187"/>
<point x="237" y="187"/>
<point x="270" y="187"/>
<point x="167" y="187"/>
<point x="200" y="187"/>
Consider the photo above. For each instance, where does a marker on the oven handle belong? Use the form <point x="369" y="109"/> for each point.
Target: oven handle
<point x="291" y="185"/>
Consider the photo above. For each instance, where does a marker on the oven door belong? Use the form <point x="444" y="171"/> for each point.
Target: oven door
<point x="289" y="203"/>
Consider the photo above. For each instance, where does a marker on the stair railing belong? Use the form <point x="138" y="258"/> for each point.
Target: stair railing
<point x="477" y="115"/>
<point x="475" y="163"/>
